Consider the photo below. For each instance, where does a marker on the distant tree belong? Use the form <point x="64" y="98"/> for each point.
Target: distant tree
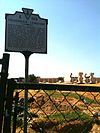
<point x="61" y="79"/>
<point x="32" y="78"/>
<point x="21" y="79"/>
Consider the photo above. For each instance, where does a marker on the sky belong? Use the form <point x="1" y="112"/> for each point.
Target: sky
<point x="73" y="38"/>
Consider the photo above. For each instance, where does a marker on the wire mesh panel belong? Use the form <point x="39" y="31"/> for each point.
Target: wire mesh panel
<point x="60" y="111"/>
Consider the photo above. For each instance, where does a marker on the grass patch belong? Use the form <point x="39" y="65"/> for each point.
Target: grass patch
<point x="69" y="116"/>
<point x="56" y="94"/>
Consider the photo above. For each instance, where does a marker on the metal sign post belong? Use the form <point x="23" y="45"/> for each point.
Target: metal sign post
<point x="26" y="54"/>
<point x="26" y="33"/>
<point x="26" y="94"/>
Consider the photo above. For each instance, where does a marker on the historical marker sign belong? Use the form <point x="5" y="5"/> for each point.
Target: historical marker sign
<point x="26" y="32"/>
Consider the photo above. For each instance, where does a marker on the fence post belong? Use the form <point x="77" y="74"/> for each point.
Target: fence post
<point x="3" y="80"/>
<point x="8" y="106"/>
<point x="15" y="112"/>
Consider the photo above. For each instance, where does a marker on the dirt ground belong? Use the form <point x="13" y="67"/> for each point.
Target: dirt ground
<point x="43" y="104"/>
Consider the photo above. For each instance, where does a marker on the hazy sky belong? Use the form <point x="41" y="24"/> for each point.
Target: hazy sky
<point x="73" y="37"/>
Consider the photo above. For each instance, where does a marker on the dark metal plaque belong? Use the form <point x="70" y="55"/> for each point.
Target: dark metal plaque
<point x="26" y="32"/>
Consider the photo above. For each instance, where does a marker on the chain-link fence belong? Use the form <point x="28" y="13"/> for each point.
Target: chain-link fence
<point x="59" y="108"/>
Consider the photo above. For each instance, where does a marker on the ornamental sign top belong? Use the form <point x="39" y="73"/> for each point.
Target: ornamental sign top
<point x="26" y="32"/>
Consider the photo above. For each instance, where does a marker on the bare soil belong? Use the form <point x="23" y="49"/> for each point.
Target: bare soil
<point x="44" y="106"/>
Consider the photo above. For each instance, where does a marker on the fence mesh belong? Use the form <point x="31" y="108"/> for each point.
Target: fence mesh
<point x="56" y="111"/>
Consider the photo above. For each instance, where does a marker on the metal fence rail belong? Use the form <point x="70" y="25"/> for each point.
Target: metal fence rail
<point x="59" y="108"/>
